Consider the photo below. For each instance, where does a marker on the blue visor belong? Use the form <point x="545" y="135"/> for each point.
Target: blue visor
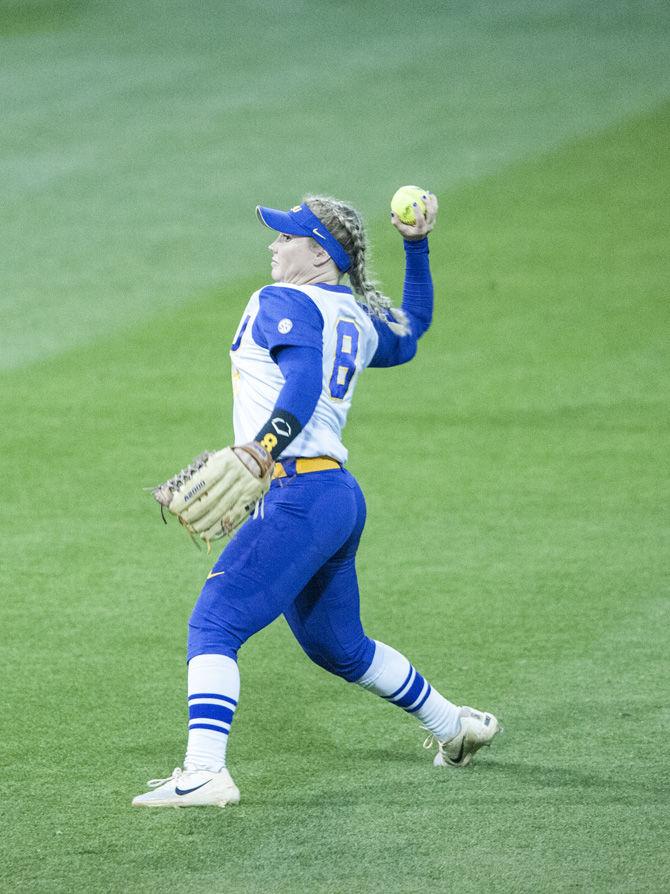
<point x="300" y="221"/>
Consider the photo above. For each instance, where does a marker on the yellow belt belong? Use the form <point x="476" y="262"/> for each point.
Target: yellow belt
<point x="307" y="464"/>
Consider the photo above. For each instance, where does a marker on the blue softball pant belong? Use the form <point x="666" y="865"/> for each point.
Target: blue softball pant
<point x="297" y="560"/>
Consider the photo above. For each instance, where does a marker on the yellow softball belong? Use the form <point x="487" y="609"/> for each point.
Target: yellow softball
<point x="403" y="200"/>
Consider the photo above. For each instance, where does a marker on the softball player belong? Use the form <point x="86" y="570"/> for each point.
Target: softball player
<point x="296" y="357"/>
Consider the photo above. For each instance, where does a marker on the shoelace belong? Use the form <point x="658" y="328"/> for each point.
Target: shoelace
<point x="428" y="743"/>
<point x="433" y="740"/>
<point x="155" y="783"/>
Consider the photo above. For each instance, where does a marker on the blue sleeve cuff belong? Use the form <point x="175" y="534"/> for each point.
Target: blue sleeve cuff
<point x="417" y="246"/>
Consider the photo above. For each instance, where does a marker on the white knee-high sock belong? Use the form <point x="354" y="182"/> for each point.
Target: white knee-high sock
<point x="393" y="678"/>
<point x="213" y="692"/>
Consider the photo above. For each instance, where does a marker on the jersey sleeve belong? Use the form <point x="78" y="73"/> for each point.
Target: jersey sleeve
<point x="287" y="317"/>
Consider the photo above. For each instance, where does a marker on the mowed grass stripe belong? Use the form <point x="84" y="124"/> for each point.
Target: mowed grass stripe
<point x="137" y="136"/>
<point x="514" y="549"/>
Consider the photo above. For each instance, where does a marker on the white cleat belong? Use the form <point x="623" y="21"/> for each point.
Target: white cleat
<point x="477" y="729"/>
<point x="191" y="788"/>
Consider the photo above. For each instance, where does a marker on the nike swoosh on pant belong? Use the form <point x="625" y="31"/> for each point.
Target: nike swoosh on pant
<point x="187" y="791"/>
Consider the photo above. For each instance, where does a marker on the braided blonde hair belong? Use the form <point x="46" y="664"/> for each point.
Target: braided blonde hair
<point x="346" y="225"/>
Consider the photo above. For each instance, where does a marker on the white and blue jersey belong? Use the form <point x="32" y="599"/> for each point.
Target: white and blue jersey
<point x="323" y="317"/>
<point x="298" y="353"/>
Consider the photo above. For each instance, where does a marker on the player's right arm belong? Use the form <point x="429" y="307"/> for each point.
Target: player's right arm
<point x="417" y="297"/>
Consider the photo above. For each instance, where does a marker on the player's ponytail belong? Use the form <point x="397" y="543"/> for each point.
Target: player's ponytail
<point x="346" y="225"/>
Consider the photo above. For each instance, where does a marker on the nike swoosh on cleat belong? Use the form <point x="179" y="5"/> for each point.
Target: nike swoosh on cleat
<point x="187" y="791"/>
<point x="457" y="760"/>
<point x="215" y="574"/>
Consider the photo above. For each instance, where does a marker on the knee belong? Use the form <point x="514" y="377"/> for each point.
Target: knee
<point x="211" y="633"/>
<point x="209" y="639"/>
<point x="350" y="664"/>
<point x="317" y="658"/>
<point x="353" y="665"/>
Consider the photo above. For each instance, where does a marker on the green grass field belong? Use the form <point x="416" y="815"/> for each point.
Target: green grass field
<point x="516" y="472"/>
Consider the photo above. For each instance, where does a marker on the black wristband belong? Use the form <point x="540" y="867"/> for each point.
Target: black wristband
<point x="278" y="432"/>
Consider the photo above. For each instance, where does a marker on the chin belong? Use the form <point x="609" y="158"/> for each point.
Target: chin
<point x="275" y="274"/>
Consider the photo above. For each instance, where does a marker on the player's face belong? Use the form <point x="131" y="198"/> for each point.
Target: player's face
<point x="293" y="259"/>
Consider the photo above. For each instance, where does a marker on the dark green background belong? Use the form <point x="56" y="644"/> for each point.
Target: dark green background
<point x="516" y="471"/>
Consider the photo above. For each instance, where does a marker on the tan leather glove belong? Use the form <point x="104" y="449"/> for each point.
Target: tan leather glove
<point x="218" y="491"/>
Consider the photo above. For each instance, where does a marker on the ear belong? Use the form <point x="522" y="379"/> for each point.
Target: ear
<point x="321" y="257"/>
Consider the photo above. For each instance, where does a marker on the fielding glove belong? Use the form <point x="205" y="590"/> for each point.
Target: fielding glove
<point x="218" y="491"/>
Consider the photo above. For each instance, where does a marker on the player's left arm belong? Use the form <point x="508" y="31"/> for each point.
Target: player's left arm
<point x="302" y="370"/>
<point x="290" y="326"/>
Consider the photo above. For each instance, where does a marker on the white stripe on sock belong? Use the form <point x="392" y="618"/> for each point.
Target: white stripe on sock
<point x="416" y="701"/>
<point x="212" y="700"/>
<point x="225" y="727"/>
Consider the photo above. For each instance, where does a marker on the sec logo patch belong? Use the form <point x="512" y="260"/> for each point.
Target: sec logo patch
<point x="285" y="325"/>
